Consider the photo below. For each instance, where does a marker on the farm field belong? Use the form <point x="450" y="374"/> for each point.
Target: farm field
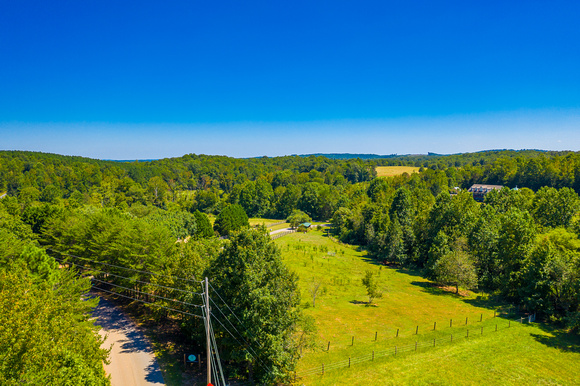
<point x="263" y="221"/>
<point x="533" y="353"/>
<point x="390" y="171"/>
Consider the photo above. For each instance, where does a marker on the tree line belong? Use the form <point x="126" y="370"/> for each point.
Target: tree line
<point x="154" y="218"/>
<point x="520" y="244"/>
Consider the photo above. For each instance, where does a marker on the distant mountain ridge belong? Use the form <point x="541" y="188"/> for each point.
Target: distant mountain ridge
<point x="348" y="155"/>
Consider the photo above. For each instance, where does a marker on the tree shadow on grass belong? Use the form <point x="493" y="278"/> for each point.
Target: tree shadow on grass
<point x="558" y="338"/>
<point x="410" y="272"/>
<point x="434" y="289"/>
<point x="491" y="302"/>
<point x="357" y="302"/>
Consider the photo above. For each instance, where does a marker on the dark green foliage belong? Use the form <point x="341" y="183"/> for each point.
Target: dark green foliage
<point x="555" y="208"/>
<point x="286" y="200"/>
<point x="204" y="229"/>
<point x="231" y="219"/>
<point x="256" y="198"/>
<point x="181" y="224"/>
<point x="298" y="217"/>
<point x="456" y="268"/>
<point x="252" y="279"/>
<point x="46" y="336"/>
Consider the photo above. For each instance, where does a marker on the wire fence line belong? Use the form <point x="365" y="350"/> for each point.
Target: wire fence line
<point x="276" y="223"/>
<point x="278" y="235"/>
<point x="394" y="333"/>
<point x="414" y="347"/>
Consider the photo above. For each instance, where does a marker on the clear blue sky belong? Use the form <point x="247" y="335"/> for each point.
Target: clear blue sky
<point x="143" y="79"/>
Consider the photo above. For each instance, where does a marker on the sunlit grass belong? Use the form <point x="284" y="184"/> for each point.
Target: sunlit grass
<point x="408" y="301"/>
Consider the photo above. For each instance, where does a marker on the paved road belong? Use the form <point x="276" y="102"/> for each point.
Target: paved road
<point x="132" y="360"/>
<point x="289" y="229"/>
<point x="280" y="231"/>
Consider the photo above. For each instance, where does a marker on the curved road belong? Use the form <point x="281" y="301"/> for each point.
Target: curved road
<point x="132" y="359"/>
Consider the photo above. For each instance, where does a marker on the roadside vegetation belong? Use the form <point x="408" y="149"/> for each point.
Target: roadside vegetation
<point x="402" y="251"/>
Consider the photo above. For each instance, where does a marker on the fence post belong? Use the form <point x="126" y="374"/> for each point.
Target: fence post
<point x="450" y="323"/>
<point x="376" y="332"/>
<point x="373" y="356"/>
<point x="521" y="320"/>
<point x="481" y="317"/>
<point x="466" y="321"/>
<point x="434" y="326"/>
<point x="352" y="343"/>
<point x="328" y="347"/>
<point x="397" y="333"/>
<point x="417" y="331"/>
<point x="481" y="330"/>
<point x="348" y="361"/>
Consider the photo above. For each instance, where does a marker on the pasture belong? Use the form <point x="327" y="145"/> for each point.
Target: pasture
<point x="390" y="171"/>
<point x="413" y="310"/>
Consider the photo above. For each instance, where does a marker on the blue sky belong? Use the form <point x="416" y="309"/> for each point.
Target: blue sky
<point x="147" y="79"/>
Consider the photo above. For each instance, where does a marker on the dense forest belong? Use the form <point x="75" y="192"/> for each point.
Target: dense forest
<point x="153" y="217"/>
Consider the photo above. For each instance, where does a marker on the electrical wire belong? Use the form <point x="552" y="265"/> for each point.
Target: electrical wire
<point x="60" y="260"/>
<point x="221" y="371"/>
<point x="240" y="343"/>
<point x="210" y="349"/>
<point x="147" y="293"/>
<point x="234" y="327"/>
<point x="143" y="301"/>
<point x="120" y="267"/>
<point x="226" y="304"/>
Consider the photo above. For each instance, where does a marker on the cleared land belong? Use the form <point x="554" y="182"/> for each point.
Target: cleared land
<point x="263" y="221"/>
<point x="533" y="353"/>
<point x="390" y="171"/>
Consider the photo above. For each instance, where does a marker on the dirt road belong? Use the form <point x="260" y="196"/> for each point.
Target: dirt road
<point x="132" y="359"/>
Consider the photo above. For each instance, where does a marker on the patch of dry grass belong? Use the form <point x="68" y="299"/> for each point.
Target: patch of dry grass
<point x="391" y="171"/>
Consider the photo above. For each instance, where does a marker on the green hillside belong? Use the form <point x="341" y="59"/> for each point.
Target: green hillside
<point x="414" y="306"/>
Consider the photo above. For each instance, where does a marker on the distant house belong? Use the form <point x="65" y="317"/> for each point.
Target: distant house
<point x="479" y="190"/>
<point x="306" y="225"/>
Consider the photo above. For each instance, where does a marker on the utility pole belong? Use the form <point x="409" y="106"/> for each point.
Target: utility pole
<point x="207" y="332"/>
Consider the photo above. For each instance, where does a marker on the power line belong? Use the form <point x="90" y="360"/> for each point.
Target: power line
<point x="231" y="311"/>
<point x="253" y="354"/>
<point x="143" y="301"/>
<point x="234" y="327"/>
<point x="129" y="278"/>
<point x="240" y="343"/>
<point x="147" y="293"/>
<point x="129" y="269"/>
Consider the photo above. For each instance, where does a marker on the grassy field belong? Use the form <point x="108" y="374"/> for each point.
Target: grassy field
<point x="264" y="221"/>
<point x="390" y="171"/>
<point x="412" y="305"/>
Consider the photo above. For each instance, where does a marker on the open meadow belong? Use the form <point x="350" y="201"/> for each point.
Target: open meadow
<point x="412" y="314"/>
<point x="390" y="171"/>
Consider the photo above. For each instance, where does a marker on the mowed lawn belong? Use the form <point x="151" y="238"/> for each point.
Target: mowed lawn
<point x="521" y="352"/>
<point x="390" y="171"/>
